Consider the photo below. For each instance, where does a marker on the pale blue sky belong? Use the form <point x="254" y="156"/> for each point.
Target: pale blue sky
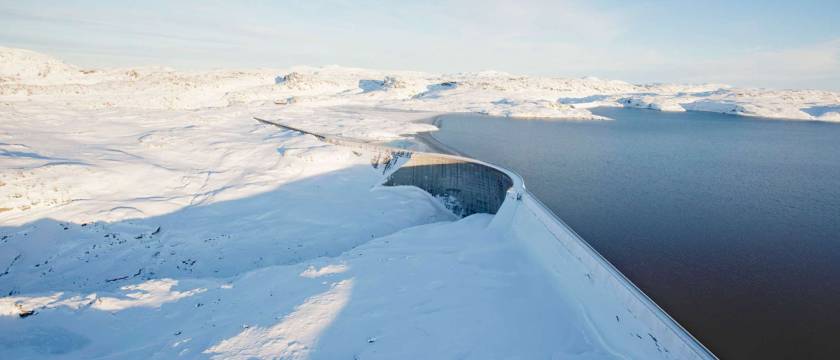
<point x="783" y="44"/>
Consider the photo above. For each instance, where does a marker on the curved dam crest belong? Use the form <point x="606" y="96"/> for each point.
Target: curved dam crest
<point x="611" y="303"/>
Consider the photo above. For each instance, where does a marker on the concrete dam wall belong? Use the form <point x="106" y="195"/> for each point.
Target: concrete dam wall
<point x="471" y="187"/>
<point x="612" y="303"/>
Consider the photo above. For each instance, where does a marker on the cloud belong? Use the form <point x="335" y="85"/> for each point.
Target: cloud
<point x="811" y="65"/>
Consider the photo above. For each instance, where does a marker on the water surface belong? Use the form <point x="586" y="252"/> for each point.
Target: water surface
<point x="731" y="224"/>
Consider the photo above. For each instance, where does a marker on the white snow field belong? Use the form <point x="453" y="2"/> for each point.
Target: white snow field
<point x="145" y="214"/>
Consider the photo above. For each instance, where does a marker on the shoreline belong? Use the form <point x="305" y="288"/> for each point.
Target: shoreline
<point x="428" y="139"/>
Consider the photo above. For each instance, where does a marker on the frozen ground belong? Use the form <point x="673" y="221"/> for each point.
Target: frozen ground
<point x="144" y="214"/>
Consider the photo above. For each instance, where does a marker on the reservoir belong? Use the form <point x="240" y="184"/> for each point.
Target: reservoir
<point x="731" y="224"/>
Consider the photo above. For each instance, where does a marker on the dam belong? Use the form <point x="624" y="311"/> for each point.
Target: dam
<point x="611" y="302"/>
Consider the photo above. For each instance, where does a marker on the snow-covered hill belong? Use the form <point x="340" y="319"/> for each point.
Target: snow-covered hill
<point x="24" y="66"/>
<point x="29" y="76"/>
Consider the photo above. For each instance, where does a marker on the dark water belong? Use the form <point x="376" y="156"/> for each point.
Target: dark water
<point x="731" y="224"/>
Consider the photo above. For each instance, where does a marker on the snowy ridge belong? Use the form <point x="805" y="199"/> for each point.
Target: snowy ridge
<point x="28" y="76"/>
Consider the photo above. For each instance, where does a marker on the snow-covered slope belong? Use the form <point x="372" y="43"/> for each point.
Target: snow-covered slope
<point x="131" y="233"/>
